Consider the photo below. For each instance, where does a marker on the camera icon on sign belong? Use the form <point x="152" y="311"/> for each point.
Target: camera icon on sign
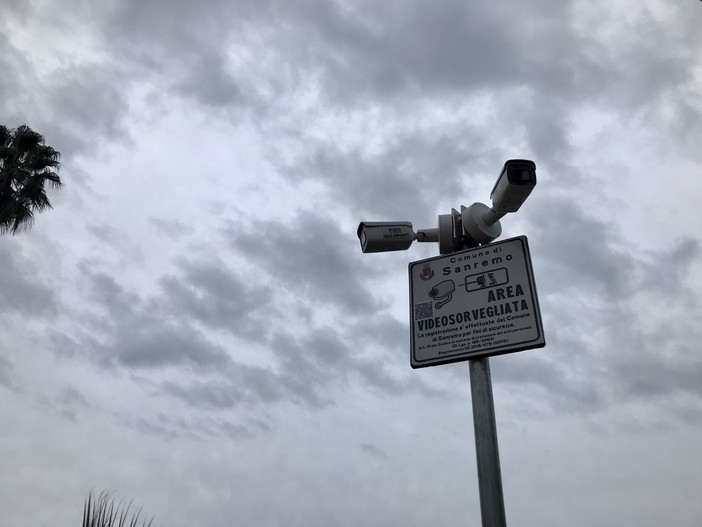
<point x="442" y="293"/>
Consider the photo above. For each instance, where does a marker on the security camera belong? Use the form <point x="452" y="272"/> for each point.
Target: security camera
<point x="516" y="181"/>
<point x="512" y="188"/>
<point x="474" y="225"/>
<point x="380" y="236"/>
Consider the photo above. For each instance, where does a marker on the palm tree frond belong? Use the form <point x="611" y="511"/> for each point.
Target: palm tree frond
<point x="26" y="165"/>
<point x="103" y="511"/>
<point x="26" y="138"/>
<point x="53" y="179"/>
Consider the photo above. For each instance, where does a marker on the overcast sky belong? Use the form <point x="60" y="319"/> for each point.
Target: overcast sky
<point x="194" y="326"/>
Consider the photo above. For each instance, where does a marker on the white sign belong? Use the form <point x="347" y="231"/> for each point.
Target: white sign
<point x="474" y="303"/>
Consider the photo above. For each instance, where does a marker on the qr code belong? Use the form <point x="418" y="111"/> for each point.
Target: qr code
<point x="423" y="310"/>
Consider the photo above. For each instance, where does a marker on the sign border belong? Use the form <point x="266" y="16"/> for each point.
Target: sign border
<point x="461" y="356"/>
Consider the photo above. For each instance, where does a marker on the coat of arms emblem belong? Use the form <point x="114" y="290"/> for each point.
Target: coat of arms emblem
<point x="427" y="272"/>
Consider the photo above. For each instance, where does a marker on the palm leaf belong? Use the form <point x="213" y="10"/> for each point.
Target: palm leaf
<point x="26" y="165"/>
<point x="103" y="511"/>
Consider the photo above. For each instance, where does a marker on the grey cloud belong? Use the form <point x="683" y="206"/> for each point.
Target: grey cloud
<point x="6" y="368"/>
<point x="382" y="329"/>
<point x="119" y="303"/>
<point x="208" y="394"/>
<point x="214" y="295"/>
<point x="373" y="450"/>
<point x="546" y="126"/>
<point x="308" y="370"/>
<point x="135" y="335"/>
<point x="311" y="364"/>
<point x="122" y="242"/>
<point x="386" y="51"/>
<point x="180" y="46"/>
<point x="248" y="427"/>
<point x="374" y="375"/>
<point x="105" y="233"/>
<point x="410" y="175"/>
<point x="91" y="98"/>
<point x="668" y="270"/>
<point x="685" y="123"/>
<point x="386" y="60"/>
<point x="235" y="384"/>
<point x="655" y="376"/>
<point x="259" y="384"/>
<point x="70" y="106"/>
<point x="642" y="61"/>
<point x="380" y="54"/>
<point x="659" y="361"/>
<point x="15" y="10"/>
<point x="71" y="403"/>
<point x="170" y="27"/>
<point x="71" y="396"/>
<point x="227" y="429"/>
<point x="687" y="251"/>
<point x="256" y="53"/>
<point x="376" y="185"/>
<point x="20" y="291"/>
<point x="421" y="49"/>
<point x="158" y="332"/>
<point x="174" y="229"/>
<point x="209" y="81"/>
<point x="312" y="256"/>
<point x="690" y="413"/>
<point x="304" y="378"/>
<point x="207" y="427"/>
<point x="568" y="386"/>
<point x="599" y="352"/>
<point x="149" y="427"/>
<point x="581" y="251"/>
<point x="68" y="346"/>
<point x="17" y="72"/>
<point x="155" y="344"/>
<point x="200" y="427"/>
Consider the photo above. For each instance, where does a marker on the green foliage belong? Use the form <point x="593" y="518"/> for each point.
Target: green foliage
<point x="26" y="165"/>
<point x="103" y="511"/>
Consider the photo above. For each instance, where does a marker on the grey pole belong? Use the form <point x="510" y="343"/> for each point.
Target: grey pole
<point x="492" y="502"/>
<point x="492" y="505"/>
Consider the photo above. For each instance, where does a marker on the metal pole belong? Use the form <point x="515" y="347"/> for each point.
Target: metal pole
<point x="492" y="502"/>
<point x="492" y="505"/>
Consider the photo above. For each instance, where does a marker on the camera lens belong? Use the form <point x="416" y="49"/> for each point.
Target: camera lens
<point x="520" y="175"/>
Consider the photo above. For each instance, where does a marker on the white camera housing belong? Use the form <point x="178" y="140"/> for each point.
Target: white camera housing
<point x="516" y="181"/>
<point x="381" y="236"/>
